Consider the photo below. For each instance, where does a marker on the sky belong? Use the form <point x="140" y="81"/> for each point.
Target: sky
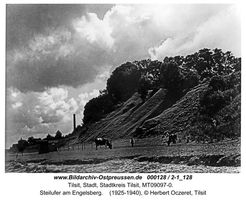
<point x="60" y="56"/>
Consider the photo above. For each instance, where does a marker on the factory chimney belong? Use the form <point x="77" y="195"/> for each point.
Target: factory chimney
<point x="74" y="122"/>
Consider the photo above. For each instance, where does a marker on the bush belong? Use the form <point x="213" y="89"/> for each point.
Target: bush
<point x="217" y="83"/>
<point x="212" y="102"/>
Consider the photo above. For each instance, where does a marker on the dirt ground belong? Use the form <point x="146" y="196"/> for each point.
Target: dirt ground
<point x="146" y="156"/>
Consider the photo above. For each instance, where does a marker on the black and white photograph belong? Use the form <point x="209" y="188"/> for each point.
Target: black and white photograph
<point x="123" y="88"/>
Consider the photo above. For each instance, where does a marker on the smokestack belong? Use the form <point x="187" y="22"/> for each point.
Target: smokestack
<point x="74" y="121"/>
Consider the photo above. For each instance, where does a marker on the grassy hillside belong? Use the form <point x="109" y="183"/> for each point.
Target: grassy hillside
<point x="136" y="118"/>
<point x="178" y="118"/>
<point x="184" y="119"/>
<point x="196" y="97"/>
<point x="124" y="121"/>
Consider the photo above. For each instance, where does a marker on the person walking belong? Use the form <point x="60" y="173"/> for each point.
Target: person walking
<point x="132" y="142"/>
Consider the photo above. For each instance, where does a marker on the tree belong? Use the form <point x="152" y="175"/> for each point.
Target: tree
<point x="144" y="86"/>
<point x="31" y="140"/>
<point x="21" y="146"/>
<point x="191" y="79"/>
<point x="237" y="65"/>
<point x="123" y="82"/>
<point x="49" y="137"/>
<point x="97" y="108"/>
<point x="209" y="63"/>
<point x="58" y="135"/>
<point x="171" y="78"/>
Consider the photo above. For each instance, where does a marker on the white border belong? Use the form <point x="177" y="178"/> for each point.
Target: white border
<point x="219" y="186"/>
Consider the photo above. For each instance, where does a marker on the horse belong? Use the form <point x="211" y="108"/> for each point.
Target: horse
<point x="103" y="141"/>
<point x="172" y="138"/>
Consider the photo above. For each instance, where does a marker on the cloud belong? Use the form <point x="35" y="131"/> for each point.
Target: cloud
<point x="221" y="30"/>
<point x="52" y="61"/>
<point x="71" y="50"/>
<point x="55" y="104"/>
<point x="94" y="30"/>
<point x="86" y="96"/>
<point x="17" y="105"/>
<point x="39" y="113"/>
<point x="26" y="20"/>
<point x="44" y="50"/>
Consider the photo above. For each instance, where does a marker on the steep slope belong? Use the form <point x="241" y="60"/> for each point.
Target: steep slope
<point x="124" y="121"/>
<point x="183" y="119"/>
<point x="229" y="118"/>
<point x="178" y="118"/>
<point x="156" y="116"/>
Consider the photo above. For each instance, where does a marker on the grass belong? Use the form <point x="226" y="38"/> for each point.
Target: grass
<point x="144" y="149"/>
